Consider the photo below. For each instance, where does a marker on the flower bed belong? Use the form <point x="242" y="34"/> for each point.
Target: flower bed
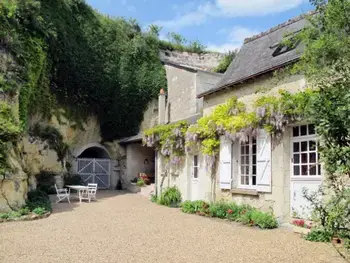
<point x="231" y="211"/>
<point x="38" y="206"/>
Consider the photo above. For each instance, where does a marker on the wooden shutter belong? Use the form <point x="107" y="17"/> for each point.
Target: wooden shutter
<point x="264" y="178"/>
<point x="225" y="168"/>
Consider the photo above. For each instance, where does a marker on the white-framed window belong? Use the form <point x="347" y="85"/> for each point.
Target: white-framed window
<point x="305" y="156"/>
<point x="247" y="164"/>
<point x="195" y="167"/>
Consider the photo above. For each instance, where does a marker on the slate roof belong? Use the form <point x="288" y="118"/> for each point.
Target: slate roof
<point x="255" y="57"/>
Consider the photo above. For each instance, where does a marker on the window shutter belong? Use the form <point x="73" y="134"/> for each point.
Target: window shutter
<point x="264" y="178"/>
<point x="225" y="167"/>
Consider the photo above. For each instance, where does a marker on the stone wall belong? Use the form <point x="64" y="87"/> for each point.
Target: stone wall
<point x="203" y="61"/>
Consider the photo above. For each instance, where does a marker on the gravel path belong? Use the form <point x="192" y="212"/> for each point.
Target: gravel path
<point x="129" y="228"/>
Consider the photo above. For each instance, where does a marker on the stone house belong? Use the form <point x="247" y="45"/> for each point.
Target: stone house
<point x="187" y="75"/>
<point x="265" y="173"/>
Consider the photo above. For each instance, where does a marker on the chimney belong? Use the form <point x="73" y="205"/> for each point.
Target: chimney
<point x="161" y="107"/>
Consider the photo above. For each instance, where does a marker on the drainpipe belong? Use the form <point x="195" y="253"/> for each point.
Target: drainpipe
<point x="161" y="120"/>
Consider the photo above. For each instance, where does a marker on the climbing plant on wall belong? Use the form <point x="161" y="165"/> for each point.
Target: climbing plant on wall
<point x="65" y="53"/>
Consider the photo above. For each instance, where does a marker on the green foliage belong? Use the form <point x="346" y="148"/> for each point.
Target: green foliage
<point x="168" y="139"/>
<point x="62" y="52"/>
<point x="9" y="133"/>
<point x="46" y="182"/>
<point x="178" y="42"/>
<point x="140" y="182"/>
<point x="24" y="211"/>
<point x="53" y="137"/>
<point x="154" y="198"/>
<point x="219" y="209"/>
<point x="195" y="207"/>
<point x="318" y="235"/>
<point x="170" y="197"/>
<point x="226" y="62"/>
<point x="230" y="210"/>
<point x="39" y="211"/>
<point x="37" y="198"/>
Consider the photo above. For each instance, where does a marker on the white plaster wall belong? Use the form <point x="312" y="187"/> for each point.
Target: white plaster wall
<point x="135" y="157"/>
<point x="279" y="199"/>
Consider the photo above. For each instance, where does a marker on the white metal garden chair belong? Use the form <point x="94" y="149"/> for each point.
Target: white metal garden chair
<point x="89" y="193"/>
<point x="62" y="194"/>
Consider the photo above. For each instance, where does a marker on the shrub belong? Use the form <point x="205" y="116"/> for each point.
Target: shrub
<point x="14" y="214"/>
<point x="154" y="198"/>
<point x="4" y="216"/>
<point x="319" y="235"/>
<point x="170" y="197"/>
<point x="37" y="198"/>
<point x="264" y="220"/>
<point x="140" y="182"/>
<point x="46" y="182"/>
<point x="219" y="209"/>
<point x="195" y="207"/>
<point x="39" y="211"/>
<point x="24" y="211"/>
<point x="234" y="211"/>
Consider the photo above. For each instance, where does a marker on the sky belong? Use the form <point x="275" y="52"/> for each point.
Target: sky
<point x="220" y="25"/>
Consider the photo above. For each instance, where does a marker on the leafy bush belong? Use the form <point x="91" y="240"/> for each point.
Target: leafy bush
<point x="170" y="197"/>
<point x="14" y="214"/>
<point x="234" y="211"/>
<point x="264" y="220"/>
<point x="4" y="216"/>
<point x="195" y="207"/>
<point x="140" y="182"/>
<point x="37" y="198"/>
<point x="319" y="235"/>
<point x="46" y="182"/>
<point x="39" y="211"/>
<point x="24" y="211"/>
<point x="154" y="198"/>
<point x="219" y="209"/>
<point x="226" y="61"/>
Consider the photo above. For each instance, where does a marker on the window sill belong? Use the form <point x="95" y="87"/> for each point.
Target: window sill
<point x="245" y="192"/>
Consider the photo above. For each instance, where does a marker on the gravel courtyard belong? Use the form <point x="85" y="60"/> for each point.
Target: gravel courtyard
<point x="129" y="228"/>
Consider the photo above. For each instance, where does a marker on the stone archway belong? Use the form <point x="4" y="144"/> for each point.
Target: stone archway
<point x="93" y="164"/>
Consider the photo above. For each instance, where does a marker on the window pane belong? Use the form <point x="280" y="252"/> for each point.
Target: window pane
<point x="304" y="169"/>
<point x="312" y="145"/>
<point x="242" y="169"/>
<point x="296" y="147"/>
<point x="254" y="149"/>
<point x="303" y="130"/>
<point x="312" y="157"/>
<point x="296" y="170"/>
<point x="242" y="159"/>
<point x="295" y="131"/>
<point x="247" y="170"/>
<point x="247" y="149"/>
<point x="242" y="180"/>
<point x="296" y="158"/>
<point x="247" y="180"/>
<point x="254" y="140"/>
<point x="319" y="170"/>
<point x="195" y="160"/>
<point x="242" y="149"/>
<point x="304" y="158"/>
<point x="303" y="146"/>
<point x="312" y="129"/>
<point x="254" y="180"/>
<point x="195" y="172"/>
<point x="312" y="169"/>
<point x="254" y="159"/>
<point x="254" y="169"/>
<point x="247" y="159"/>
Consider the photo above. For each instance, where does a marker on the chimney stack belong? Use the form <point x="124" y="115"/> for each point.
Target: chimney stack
<point x="161" y="107"/>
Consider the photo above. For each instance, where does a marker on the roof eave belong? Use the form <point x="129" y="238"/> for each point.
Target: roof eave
<point x="246" y="78"/>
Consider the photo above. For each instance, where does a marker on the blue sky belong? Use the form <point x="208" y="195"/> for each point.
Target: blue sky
<point x="221" y="25"/>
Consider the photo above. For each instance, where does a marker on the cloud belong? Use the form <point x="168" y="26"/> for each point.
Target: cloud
<point x="229" y="8"/>
<point x="235" y="39"/>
